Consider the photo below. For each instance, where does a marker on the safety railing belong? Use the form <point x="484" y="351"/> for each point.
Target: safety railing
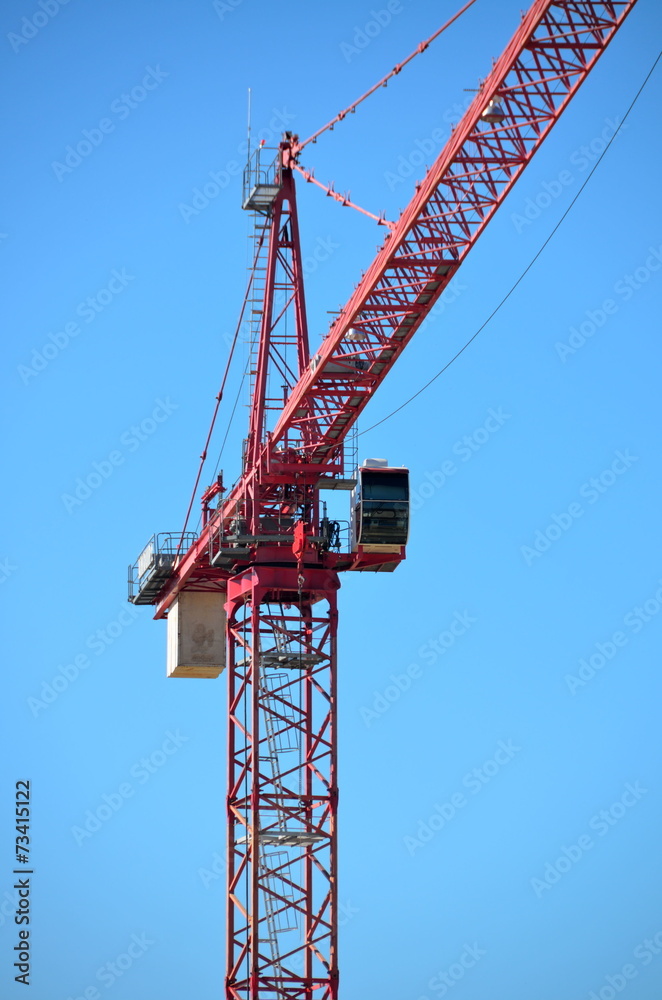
<point x="155" y="564"/>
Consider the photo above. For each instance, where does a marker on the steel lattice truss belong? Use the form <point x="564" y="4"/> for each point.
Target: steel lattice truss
<point x="281" y="352"/>
<point x="262" y="545"/>
<point x="553" y="50"/>
<point x="549" y="57"/>
<point x="281" y="933"/>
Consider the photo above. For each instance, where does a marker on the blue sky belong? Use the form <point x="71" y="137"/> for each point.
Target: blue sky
<point x="499" y="703"/>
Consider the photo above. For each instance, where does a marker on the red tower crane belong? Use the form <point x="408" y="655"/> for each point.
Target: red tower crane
<point x="255" y="593"/>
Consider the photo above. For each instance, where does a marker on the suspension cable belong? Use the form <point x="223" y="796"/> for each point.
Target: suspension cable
<point x="383" y="82"/>
<point x="528" y="266"/>
<point x="219" y="397"/>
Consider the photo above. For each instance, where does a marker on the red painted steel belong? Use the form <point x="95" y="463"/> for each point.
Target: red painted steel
<point x="384" y="80"/>
<point x="284" y="275"/>
<point x="342" y="199"/>
<point x="264" y="545"/>
<point x="282" y="792"/>
<point x="550" y="55"/>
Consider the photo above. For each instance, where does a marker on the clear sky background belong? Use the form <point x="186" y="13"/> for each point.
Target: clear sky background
<point x="513" y="868"/>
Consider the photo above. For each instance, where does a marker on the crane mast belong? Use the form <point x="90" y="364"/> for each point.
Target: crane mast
<point x="282" y="619"/>
<point x="256" y="592"/>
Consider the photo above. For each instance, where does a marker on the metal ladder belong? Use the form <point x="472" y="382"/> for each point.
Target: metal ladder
<point x="279" y="741"/>
<point x="258" y="241"/>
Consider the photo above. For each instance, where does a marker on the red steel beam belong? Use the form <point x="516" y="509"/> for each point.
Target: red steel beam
<point x="383" y="82"/>
<point x="550" y="55"/>
<point x="282" y="795"/>
<point x="547" y="60"/>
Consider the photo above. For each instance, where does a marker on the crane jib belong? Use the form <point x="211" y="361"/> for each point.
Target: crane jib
<point x="549" y="57"/>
